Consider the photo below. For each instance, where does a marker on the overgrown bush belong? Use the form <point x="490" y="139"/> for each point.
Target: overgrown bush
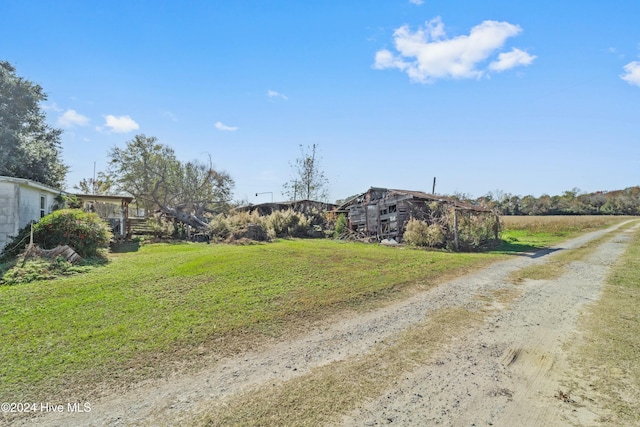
<point x="243" y="218"/>
<point x="420" y="233"/>
<point x="436" y="229"/>
<point x="85" y="232"/>
<point x="476" y="230"/>
<point x="340" y="225"/>
<point x="288" y="223"/>
<point x="248" y="232"/>
<point x="219" y="227"/>
<point x="160" y="227"/>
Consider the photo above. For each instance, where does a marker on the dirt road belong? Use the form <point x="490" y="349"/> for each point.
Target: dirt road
<point x="507" y="371"/>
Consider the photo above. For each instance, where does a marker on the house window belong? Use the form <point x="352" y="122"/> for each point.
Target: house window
<point x="43" y="202"/>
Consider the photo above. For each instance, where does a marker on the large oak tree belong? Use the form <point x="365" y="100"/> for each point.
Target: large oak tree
<point x="150" y="172"/>
<point x="29" y="147"/>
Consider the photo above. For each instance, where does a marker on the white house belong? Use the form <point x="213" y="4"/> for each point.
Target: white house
<point x="23" y="201"/>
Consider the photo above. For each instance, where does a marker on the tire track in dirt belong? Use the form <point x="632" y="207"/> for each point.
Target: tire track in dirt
<point x="509" y="371"/>
<point x="461" y="382"/>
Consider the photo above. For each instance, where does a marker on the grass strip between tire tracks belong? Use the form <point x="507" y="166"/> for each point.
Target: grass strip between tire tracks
<point x="323" y="395"/>
<point x="555" y="266"/>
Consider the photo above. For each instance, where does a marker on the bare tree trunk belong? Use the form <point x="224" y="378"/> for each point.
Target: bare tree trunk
<point x="188" y="219"/>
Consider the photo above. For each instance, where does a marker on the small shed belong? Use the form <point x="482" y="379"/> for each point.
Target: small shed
<point x="113" y="209"/>
<point x="23" y="201"/>
<point x="383" y="213"/>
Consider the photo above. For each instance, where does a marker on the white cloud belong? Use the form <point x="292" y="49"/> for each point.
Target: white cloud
<point x="223" y="127"/>
<point x="508" y="60"/>
<point x="120" y="124"/>
<point x="427" y="54"/>
<point x="632" y="73"/>
<point x="416" y="2"/>
<point x="274" y="94"/>
<point x="71" y="118"/>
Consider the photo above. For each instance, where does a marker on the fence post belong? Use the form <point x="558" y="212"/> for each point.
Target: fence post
<point x="455" y="229"/>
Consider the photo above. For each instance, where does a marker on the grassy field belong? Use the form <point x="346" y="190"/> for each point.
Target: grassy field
<point x="148" y="310"/>
<point x="555" y="267"/>
<point x="526" y="233"/>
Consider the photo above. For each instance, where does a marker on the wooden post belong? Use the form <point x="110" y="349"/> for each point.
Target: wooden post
<point x="30" y="240"/>
<point x="378" y="226"/>
<point x="456" y="236"/>
<point x="366" y="219"/>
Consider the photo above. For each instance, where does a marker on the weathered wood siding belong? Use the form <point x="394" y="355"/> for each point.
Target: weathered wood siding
<point x="381" y="217"/>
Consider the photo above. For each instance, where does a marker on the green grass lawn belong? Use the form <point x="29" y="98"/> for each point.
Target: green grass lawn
<point x="531" y="233"/>
<point x="144" y="311"/>
<point x="121" y="320"/>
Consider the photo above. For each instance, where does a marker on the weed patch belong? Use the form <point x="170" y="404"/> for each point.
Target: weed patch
<point x="34" y="269"/>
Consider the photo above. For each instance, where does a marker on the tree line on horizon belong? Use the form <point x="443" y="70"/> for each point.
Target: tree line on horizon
<point x="571" y="202"/>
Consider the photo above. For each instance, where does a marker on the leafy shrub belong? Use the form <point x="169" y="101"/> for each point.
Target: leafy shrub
<point x="420" y="233"/>
<point x="341" y="225"/>
<point x="475" y="230"/>
<point x="85" y="232"/>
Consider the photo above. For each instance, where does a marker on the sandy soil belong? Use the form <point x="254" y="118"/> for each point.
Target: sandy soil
<point x="507" y="372"/>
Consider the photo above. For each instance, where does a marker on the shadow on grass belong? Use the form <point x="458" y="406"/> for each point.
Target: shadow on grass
<point x="94" y="261"/>
<point x="5" y="266"/>
<point x="134" y="244"/>
<point x="123" y="247"/>
<point x="523" y="249"/>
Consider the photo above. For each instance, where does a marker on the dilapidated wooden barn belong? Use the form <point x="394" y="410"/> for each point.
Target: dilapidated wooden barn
<point x="383" y="213"/>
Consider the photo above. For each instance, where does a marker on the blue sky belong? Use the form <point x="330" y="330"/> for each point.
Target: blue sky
<point x="522" y="97"/>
